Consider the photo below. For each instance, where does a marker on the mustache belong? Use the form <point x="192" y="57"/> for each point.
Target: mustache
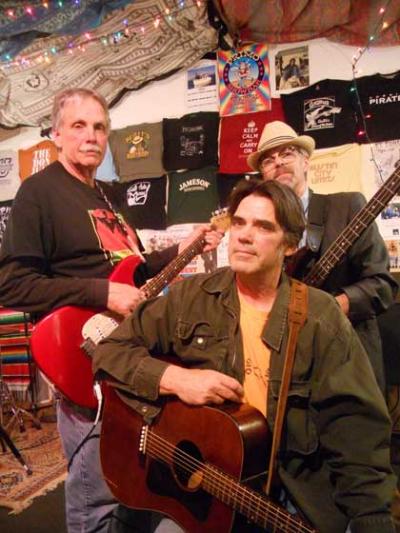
<point x="95" y="148"/>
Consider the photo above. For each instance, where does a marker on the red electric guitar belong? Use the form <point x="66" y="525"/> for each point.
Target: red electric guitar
<point x="191" y="464"/>
<point x="60" y="343"/>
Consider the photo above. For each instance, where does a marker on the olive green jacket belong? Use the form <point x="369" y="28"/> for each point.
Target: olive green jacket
<point x="335" y="461"/>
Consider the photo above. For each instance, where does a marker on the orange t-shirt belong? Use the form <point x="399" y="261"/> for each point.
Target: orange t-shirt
<point x="36" y="158"/>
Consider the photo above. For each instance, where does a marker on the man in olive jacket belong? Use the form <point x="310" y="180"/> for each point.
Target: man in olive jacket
<point x="229" y="332"/>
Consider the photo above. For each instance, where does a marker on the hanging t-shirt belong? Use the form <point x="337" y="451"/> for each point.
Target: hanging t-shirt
<point x="9" y="178"/>
<point x="192" y="196"/>
<point x="239" y="136"/>
<point x="380" y="107"/>
<point x="324" y="111"/>
<point x="335" y="169"/>
<point x="36" y="158"/>
<point x="191" y="142"/>
<point x="137" y="151"/>
<point x="143" y="202"/>
<point x="5" y="208"/>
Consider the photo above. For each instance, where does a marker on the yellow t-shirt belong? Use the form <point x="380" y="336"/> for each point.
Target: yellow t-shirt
<point x="256" y="355"/>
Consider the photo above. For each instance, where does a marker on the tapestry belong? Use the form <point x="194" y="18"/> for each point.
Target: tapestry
<point x="41" y="448"/>
<point x="135" y="45"/>
<point x="244" y="80"/>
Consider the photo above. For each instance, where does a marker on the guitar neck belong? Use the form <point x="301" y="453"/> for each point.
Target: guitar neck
<point x="352" y="231"/>
<point x="256" y="507"/>
<point x="161" y="280"/>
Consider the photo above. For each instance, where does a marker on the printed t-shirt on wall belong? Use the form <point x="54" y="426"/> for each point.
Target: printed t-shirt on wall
<point x="325" y="111"/>
<point x="142" y="202"/>
<point x="36" y="158"/>
<point x="106" y="170"/>
<point x="240" y="134"/>
<point x="137" y="151"/>
<point x="227" y="182"/>
<point x="9" y="178"/>
<point x="380" y="101"/>
<point x="191" y="142"/>
<point x="5" y="209"/>
<point x="192" y="196"/>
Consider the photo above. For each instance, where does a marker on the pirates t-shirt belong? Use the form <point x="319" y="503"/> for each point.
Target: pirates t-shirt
<point x="191" y="142"/>
<point x="324" y="111"/>
<point x="379" y="114"/>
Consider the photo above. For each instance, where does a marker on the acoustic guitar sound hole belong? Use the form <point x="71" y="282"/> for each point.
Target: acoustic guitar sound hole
<point x="187" y="463"/>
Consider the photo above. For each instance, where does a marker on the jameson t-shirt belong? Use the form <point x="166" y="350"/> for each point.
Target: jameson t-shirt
<point x="192" y="196"/>
<point x="191" y="142"/>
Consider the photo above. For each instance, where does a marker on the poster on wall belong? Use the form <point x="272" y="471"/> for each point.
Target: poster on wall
<point x="292" y="68"/>
<point x="382" y="159"/>
<point x="244" y="80"/>
<point x="201" y="89"/>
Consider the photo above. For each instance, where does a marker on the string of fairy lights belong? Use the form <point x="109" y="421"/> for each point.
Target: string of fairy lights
<point x="80" y="43"/>
<point x="380" y="26"/>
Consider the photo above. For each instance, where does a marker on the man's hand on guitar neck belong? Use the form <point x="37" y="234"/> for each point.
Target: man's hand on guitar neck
<point x="123" y="298"/>
<point x="200" y="387"/>
<point x="212" y="238"/>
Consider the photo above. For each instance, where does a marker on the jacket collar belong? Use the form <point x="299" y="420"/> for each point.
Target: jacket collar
<point x="223" y="281"/>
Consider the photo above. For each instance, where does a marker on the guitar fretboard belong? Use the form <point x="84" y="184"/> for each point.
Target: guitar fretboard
<point x="161" y="280"/>
<point x="353" y="230"/>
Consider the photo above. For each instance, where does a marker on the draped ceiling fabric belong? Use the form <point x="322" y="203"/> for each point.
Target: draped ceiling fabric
<point x="26" y="92"/>
<point x="73" y="18"/>
<point x="349" y="22"/>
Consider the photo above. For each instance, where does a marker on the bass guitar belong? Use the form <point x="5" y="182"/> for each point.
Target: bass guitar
<point x="60" y="342"/>
<point x="341" y="245"/>
<point x="192" y="464"/>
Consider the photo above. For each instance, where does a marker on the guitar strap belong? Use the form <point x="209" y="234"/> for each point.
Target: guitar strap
<point x="297" y="316"/>
<point x="316" y="220"/>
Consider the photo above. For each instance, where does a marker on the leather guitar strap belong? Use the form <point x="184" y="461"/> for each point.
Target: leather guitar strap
<point x="297" y="316"/>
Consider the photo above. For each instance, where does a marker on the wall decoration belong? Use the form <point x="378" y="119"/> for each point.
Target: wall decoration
<point x="244" y="80"/>
<point x="292" y="68"/>
<point x="202" y="88"/>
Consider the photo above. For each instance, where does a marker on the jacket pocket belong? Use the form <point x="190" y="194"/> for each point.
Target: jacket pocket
<point x="197" y="342"/>
<point x="301" y="431"/>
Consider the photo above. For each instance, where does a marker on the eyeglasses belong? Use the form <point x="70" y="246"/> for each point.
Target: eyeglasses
<point x="286" y="155"/>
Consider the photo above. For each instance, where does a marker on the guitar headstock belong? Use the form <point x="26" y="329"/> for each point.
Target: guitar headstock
<point x="221" y="219"/>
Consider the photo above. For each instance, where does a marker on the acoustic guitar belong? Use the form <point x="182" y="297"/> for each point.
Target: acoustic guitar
<point x="192" y="464"/>
<point x="60" y="343"/>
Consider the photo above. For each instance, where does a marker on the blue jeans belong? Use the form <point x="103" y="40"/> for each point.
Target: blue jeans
<point x="88" y="500"/>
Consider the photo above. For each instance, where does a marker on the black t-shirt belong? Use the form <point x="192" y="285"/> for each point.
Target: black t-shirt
<point x="191" y="142"/>
<point x="380" y="107"/>
<point x="325" y="111"/>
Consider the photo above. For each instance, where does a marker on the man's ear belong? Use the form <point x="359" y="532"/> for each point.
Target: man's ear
<point x="290" y="250"/>
<point x="55" y="135"/>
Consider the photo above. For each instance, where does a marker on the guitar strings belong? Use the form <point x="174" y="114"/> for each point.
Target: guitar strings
<point x="322" y="267"/>
<point x="162" y="449"/>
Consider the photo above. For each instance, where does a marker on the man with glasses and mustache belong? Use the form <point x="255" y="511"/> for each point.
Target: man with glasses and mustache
<point x="62" y="241"/>
<point x="361" y="282"/>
